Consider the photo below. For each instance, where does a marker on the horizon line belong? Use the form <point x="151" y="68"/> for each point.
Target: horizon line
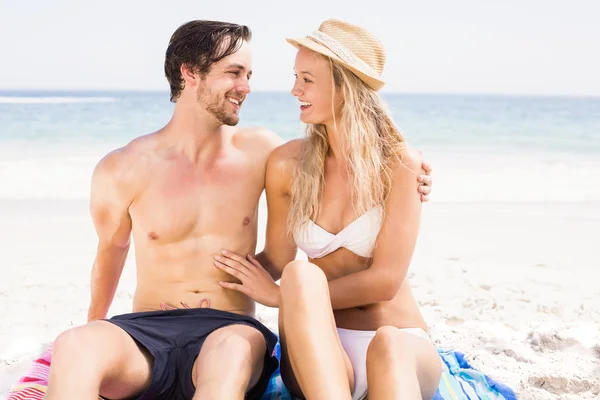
<point x="384" y="92"/>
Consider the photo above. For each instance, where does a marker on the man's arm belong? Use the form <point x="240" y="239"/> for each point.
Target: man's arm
<point x="109" y="207"/>
<point x="395" y="245"/>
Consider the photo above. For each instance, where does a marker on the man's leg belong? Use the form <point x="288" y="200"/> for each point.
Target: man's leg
<point x="230" y="363"/>
<point x="97" y="358"/>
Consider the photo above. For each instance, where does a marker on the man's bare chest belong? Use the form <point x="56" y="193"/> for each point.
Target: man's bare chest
<point x="177" y="204"/>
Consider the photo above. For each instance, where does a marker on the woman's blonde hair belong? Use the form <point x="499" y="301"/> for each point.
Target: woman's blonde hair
<point x="373" y="143"/>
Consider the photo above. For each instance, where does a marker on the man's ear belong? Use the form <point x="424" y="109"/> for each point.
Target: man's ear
<point x="190" y="78"/>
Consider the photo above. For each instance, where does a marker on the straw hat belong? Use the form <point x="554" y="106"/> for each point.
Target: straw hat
<point x="350" y="45"/>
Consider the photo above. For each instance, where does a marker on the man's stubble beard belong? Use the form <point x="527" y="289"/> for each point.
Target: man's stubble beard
<point x="215" y="105"/>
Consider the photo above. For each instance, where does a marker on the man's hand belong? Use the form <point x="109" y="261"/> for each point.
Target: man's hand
<point x="256" y="281"/>
<point x="425" y="182"/>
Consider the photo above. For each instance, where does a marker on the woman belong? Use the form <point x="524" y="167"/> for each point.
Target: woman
<point x="347" y="196"/>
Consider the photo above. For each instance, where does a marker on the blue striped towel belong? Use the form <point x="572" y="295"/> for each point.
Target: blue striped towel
<point x="459" y="382"/>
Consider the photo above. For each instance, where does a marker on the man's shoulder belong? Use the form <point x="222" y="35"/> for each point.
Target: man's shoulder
<point x="256" y="138"/>
<point x="124" y="162"/>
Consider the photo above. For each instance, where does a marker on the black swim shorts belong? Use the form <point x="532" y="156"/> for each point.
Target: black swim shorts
<point x="174" y="338"/>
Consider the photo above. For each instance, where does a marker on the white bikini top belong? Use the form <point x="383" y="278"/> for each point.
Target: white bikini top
<point x="359" y="236"/>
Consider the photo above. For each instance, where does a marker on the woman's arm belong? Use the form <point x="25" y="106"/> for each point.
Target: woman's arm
<point x="257" y="275"/>
<point x="395" y="244"/>
<point x="279" y="250"/>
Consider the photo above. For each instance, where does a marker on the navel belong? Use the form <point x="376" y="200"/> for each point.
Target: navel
<point x="152" y="236"/>
<point x="246" y="221"/>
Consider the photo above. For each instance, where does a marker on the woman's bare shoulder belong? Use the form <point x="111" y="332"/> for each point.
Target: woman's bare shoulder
<point x="282" y="162"/>
<point x="286" y="155"/>
<point x="288" y="150"/>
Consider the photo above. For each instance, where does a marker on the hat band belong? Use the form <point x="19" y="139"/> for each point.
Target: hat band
<point x="342" y="52"/>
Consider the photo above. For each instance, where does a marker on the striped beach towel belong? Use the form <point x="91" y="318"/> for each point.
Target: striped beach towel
<point x="459" y="381"/>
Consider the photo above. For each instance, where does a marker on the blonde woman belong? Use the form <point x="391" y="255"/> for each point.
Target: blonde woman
<point x="347" y="196"/>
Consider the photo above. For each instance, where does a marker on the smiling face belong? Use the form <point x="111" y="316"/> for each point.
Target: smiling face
<point x="320" y="100"/>
<point x="224" y="88"/>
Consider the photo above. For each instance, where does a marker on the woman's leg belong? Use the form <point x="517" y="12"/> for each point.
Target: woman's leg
<point x="402" y="365"/>
<point x="313" y="359"/>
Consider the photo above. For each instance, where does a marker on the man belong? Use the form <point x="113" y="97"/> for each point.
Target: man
<point x="182" y="193"/>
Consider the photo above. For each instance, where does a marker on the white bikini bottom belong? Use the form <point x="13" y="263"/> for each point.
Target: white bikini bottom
<point x="355" y="344"/>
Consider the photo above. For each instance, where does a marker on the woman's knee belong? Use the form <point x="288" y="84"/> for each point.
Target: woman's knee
<point x="394" y="348"/>
<point x="390" y="343"/>
<point x="301" y="275"/>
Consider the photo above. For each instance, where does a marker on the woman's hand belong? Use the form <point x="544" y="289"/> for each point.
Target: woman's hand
<point x="256" y="281"/>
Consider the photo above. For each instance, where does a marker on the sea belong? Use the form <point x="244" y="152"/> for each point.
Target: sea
<point x="483" y="148"/>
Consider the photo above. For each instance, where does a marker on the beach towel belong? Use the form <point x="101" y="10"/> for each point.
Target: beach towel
<point x="459" y="381"/>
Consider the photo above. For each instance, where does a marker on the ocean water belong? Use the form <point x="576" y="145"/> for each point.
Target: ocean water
<point x="482" y="148"/>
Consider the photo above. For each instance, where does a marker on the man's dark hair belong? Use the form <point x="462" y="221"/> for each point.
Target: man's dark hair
<point x="198" y="45"/>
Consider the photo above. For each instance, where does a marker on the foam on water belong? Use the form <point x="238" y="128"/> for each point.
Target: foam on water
<point x="465" y="178"/>
<point x="520" y="178"/>
<point x="54" y="100"/>
<point x="47" y="178"/>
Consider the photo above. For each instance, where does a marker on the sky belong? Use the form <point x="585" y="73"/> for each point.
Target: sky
<point x="525" y="47"/>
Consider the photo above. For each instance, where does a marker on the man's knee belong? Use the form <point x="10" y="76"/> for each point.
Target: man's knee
<point x="76" y="342"/>
<point x="97" y="343"/>
<point x="301" y="276"/>
<point x="102" y="355"/>
<point x="235" y="346"/>
<point x="240" y="346"/>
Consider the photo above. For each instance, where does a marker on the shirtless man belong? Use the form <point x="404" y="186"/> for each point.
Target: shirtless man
<point x="182" y="193"/>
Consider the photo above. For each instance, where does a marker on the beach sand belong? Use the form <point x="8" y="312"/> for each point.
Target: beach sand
<point x="512" y="285"/>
